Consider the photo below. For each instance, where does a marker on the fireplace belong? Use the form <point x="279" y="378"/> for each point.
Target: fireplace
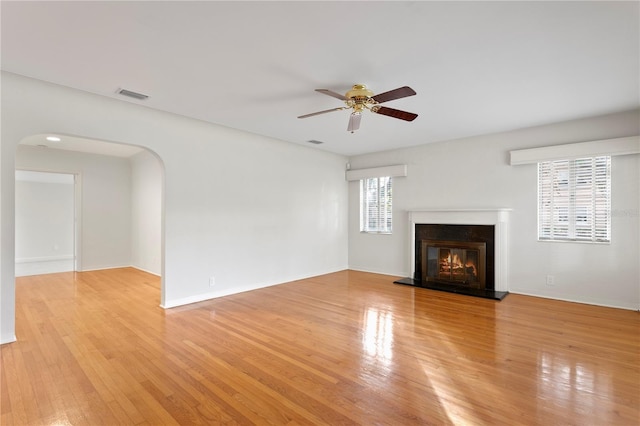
<point x="464" y="251"/>
<point x="454" y="262"/>
<point x="460" y="255"/>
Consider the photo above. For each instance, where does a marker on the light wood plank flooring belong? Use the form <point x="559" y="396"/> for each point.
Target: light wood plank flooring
<point x="345" y="348"/>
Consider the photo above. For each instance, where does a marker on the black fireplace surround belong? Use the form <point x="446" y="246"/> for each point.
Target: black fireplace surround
<point x="461" y="233"/>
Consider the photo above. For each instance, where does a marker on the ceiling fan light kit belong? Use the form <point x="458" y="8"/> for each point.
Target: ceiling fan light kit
<point x="359" y="98"/>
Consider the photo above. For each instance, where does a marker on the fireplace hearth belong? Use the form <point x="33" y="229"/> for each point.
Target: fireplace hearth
<point x="459" y="251"/>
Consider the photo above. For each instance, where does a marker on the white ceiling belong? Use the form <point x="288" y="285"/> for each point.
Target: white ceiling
<point x="478" y="67"/>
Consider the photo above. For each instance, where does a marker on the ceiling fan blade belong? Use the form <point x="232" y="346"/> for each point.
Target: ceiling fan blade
<point x="396" y="113"/>
<point x="333" y="94"/>
<point x="401" y="92"/>
<point x="354" y="122"/>
<point x="322" y="112"/>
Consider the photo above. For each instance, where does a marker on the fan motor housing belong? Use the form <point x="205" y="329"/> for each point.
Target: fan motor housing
<point x="359" y="91"/>
<point x="358" y="97"/>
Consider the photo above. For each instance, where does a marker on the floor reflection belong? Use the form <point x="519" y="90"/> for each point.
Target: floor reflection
<point x="377" y="336"/>
<point x="570" y="384"/>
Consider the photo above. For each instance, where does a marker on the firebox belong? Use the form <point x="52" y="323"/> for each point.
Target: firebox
<point x="459" y="263"/>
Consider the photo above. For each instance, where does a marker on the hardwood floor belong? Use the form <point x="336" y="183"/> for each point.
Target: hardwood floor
<point x="345" y="348"/>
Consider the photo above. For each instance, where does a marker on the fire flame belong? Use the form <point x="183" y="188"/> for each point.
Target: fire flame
<point x="449" y="263"/>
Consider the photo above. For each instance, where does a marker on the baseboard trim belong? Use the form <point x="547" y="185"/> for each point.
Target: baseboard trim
<point x="105" y="268"/>
<point x="371" y="271"/>
<point x="212" y="295"/>
<point x="235" y="290"/>
<point x="144" y="270"/>
<point x="584" y="302"/>
<point x="25" y="267"/>
<point x="9" y="340"/>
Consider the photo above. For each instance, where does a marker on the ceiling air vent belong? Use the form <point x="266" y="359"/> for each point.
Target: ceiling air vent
<point x="315" y="142"/>
<point x="135" y="95"/>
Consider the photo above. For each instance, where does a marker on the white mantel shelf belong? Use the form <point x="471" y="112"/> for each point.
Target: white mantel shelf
<point x="498" y="217"/>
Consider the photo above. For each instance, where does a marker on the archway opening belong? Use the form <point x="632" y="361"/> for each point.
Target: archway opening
<point x="119" y="199"/>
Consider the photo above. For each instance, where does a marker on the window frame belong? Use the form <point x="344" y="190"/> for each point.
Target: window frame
<point x="383" y="217"/>
<point x="580" y="187"/>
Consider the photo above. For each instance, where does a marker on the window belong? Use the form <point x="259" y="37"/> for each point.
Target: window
<point x="375" y="205"/>
<point x="574" y="200"/>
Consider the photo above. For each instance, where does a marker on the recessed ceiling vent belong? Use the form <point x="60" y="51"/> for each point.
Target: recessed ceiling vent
<point x="134" y="95"/>
<point x="315" y="142"/>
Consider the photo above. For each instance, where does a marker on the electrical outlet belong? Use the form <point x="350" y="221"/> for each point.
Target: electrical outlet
<point x="212" y="281"/>
<point x="551" y="280"/>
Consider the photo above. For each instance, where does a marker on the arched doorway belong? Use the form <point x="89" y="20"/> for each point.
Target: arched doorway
<point x="119" y="201"/>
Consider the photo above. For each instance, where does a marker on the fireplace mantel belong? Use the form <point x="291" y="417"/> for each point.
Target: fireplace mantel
<point x="499" y="218"/>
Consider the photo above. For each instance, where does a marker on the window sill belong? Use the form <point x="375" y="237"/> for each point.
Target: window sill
<point x="575" y="241"/>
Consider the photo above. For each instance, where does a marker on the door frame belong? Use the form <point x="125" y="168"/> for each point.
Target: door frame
<point x="77" y="210"/>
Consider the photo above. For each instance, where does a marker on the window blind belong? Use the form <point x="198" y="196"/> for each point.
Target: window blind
<point x="574" y="199"/>
<point x="375" y="205"/>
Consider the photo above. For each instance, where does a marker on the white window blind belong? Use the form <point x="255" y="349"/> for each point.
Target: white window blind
<point x="574" y="200"/>
<point x="375" y="205"/>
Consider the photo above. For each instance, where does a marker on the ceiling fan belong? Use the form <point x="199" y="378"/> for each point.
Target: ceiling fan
<point x="360" y="98"/>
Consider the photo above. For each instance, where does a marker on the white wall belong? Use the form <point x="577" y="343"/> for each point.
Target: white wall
<point x="249" y="210"/>
<point x="475" y="173"/>
<point x="44" y="223"/>
<point x="105" y="201"/>
<point x="146" y="212"/>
